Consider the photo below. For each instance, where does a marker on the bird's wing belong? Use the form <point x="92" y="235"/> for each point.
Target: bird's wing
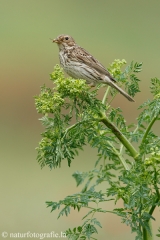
<point x="83" y="56"/>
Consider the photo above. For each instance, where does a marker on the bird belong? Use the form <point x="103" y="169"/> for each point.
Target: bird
<point x="80" y="64"/>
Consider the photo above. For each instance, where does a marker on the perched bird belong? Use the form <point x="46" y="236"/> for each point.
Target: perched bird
<point x="80" y="64"/>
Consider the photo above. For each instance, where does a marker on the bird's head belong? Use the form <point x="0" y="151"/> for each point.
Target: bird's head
<point x="64" y="41"/>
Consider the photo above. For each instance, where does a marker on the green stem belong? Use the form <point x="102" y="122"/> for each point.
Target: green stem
<point x="120" y="157"/>
<point x="105" y="96"/>
<point x="73" y="126"/>
<point x="148" y="129"/>
<point x="146" y="234"/>
<point x="122" y="146"/>
<point x="154" y="206"/>
<point x="104" y="100"/>
<point x="120" y="136"/>
<point x="157" y="192"/>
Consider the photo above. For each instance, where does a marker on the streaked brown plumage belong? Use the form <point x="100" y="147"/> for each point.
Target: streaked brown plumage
<point x="80" y="64"/>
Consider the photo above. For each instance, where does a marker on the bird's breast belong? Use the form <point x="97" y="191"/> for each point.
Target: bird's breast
<point x="77" y="70"/>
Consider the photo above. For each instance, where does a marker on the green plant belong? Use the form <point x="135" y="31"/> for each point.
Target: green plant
<point x="101" y="126"/>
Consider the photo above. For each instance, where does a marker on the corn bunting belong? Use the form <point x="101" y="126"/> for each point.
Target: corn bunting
<point x="80" y="64"/>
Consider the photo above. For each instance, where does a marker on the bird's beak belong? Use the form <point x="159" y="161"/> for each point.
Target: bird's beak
<point x="55" y="40"/>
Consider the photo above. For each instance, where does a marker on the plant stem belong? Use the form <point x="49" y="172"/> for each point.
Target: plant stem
<point x="146" y="234"/>
<point x="154" y="206"/>
<point x="104" y="100"/>
<point x="120" y="136"/>
<point x="73" y="126"/>
<point x="120" y="157"/>
<point x="121" y="148"/>
<point x="157" y="192"/>
<point x="148" y="129"/>
<point x="105" y="95"/>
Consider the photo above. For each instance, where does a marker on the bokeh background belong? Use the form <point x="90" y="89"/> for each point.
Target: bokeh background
<point x="108" y="29"/>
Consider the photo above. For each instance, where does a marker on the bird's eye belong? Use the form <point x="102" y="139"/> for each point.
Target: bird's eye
<point x="66" y="38"/>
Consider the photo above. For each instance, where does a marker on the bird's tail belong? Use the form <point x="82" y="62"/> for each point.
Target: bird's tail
<point x="112" y="84"/>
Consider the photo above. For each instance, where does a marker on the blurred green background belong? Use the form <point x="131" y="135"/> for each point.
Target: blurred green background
<point x="107" y="29"/>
